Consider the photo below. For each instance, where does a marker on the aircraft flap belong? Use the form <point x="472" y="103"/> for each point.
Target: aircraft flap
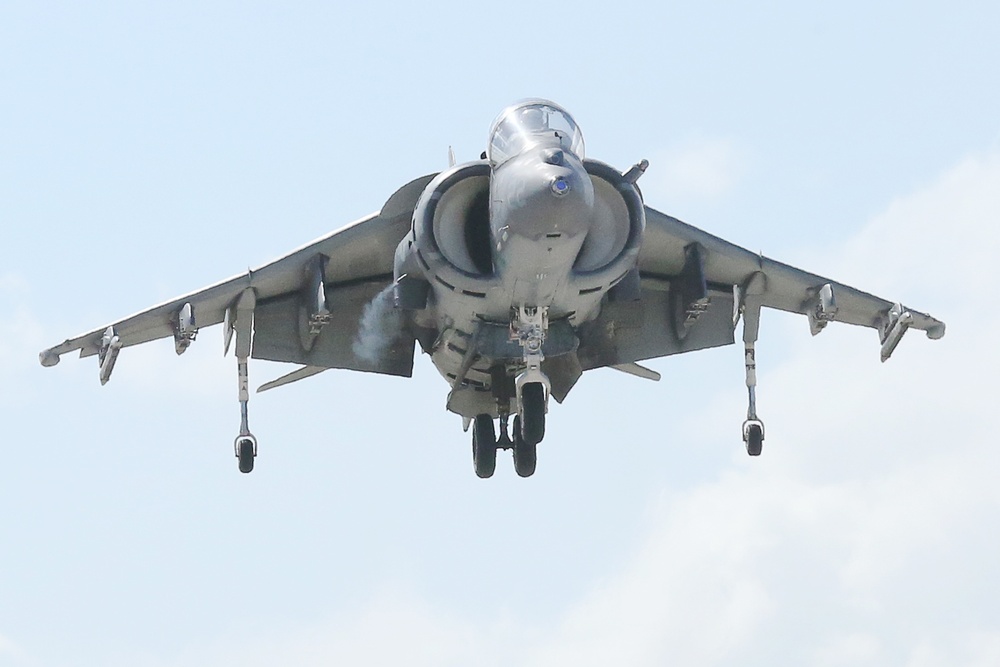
<point x="365" y="332"/>
<point x="627" y="332"/>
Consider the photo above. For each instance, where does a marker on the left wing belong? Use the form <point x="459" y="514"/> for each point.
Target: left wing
<point x="695" y="261"/>
<point x="692" y="288"/>
<point x="329" y="282"/>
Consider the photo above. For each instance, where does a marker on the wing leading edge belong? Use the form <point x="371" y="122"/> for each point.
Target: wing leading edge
<point x="669" y="247"/>
<point x="344" y="265"/>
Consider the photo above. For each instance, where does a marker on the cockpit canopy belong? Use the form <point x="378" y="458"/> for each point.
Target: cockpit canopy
<point x="530" y="124"/>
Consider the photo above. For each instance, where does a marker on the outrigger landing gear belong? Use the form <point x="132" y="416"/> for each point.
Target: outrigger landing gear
<point x="240" y="322"/>
<point x="748" y="305"/>
<point x="246" y="444"/>
<point x="753" y="428"/>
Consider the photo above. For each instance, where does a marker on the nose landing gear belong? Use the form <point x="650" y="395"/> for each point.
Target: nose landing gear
<point x="529" y="327"/>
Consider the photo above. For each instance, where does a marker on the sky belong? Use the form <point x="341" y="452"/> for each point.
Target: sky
<point x="147" y="151"/>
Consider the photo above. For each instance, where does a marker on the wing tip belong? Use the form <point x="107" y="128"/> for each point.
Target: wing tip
<point x="936" y="330"/>
<point x="48" y="358"/>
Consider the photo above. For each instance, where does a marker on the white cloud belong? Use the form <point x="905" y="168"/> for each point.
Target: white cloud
<point x="765" y="567"/>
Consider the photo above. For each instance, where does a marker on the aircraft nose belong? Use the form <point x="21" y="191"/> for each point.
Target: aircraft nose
<point x="561" y="173"/>
<point x="542" y="192"/>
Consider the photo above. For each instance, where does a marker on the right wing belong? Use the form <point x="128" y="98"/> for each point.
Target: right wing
<point x="355" y="265"/>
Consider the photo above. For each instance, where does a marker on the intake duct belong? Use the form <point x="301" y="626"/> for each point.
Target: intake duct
<point x="451" y="223"/>
<point x="615" y="237"/>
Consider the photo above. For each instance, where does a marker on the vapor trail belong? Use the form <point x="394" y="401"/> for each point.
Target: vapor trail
<point x="379" y="327"/>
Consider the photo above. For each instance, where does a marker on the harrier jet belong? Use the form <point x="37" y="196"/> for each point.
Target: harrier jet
<point x="515" y="273"/>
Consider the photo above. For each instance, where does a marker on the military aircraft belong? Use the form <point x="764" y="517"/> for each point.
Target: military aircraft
<point x="515" y="273"/>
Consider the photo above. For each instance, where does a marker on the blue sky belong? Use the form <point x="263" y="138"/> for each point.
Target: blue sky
<point x="148" y="151"/>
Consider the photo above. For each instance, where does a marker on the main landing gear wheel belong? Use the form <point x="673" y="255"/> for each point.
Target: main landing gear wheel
<point x="532" y="414"/>
<point x="246" y="450"/>
<point x="753" y="436"/>
<point x="525" y="453"/>
<point x="484" y="446"/>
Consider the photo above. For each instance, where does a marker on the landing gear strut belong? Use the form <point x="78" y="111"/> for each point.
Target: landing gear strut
<point x="246" y="444"/>
<point x="748" y="304"/>
<point x="240" y="322"/>
<point x="529" y="392"/>
<point x="753" y="428"/>
<point x="529" y="327"/>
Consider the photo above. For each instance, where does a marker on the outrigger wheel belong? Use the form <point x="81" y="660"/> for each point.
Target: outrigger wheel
<point x="484" y="446"/>
<point x="246" y="450"/>
<point x="753" y="436"/>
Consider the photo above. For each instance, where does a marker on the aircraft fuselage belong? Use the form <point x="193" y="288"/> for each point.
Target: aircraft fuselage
<point x="530" y="235"/>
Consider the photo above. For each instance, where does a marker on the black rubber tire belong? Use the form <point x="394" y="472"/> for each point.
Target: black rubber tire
<point x="484" y="446"/>
<point x="525" y="455"/>
<point x="755" y="440"/>
<point x="246" y="456"/>
<point x="532" y="413"/>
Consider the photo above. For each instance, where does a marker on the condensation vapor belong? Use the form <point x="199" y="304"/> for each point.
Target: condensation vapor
<point x="379" y="327"/>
